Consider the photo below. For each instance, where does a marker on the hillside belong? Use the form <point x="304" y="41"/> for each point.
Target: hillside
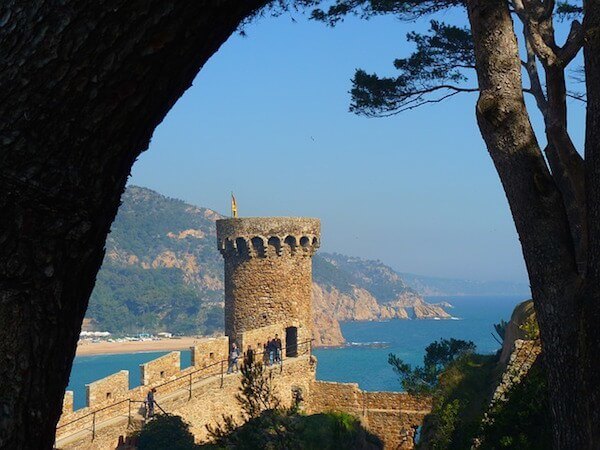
<point x="162" y="271"/>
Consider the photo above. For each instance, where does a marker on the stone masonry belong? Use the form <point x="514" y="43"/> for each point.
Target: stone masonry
<point x="201" y="394"/>
<point x="393" y="416"/>
<point x="268" y="272"/>
<point x="268" y="288"/>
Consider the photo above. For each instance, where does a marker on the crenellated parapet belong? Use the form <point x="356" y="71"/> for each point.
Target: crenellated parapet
<point x="264" y="237"/>
<point x="268" y="273"/>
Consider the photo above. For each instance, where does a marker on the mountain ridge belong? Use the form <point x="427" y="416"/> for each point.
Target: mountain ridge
<point x="163" y="272"/>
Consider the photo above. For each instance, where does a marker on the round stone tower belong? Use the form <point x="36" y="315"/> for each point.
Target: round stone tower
<point x="268" y="272"/>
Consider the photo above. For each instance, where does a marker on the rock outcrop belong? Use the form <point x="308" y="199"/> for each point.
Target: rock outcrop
<point x="330" y="306"/>
<point x="162" y="272"/>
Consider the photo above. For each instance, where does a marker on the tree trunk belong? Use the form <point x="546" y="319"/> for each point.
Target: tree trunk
<point x="590" y="316"/>
<point x="538" y="211"/>
<point x="82" y="87"/>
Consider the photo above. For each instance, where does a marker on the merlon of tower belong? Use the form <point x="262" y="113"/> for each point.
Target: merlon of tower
<point x="268" y="236"/>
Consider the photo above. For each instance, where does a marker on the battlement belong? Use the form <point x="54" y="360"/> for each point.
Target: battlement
<point x="267" y="237"/>
<point x="112" y="408"/>
<point x="203" y="393"/>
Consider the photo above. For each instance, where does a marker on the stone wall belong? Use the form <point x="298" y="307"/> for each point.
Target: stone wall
<point x="211" y="401"/>
<point x="259" y="336"/>
<point x="521" y="359"/>
<point x="268" y="272"/>
<point x="393" y="416"/>
<point x="209" y="353"/>
<point x="67" y="402"/>
<point x="203" y="401"/>
<point x="112" y="388"/>
<point x="203" y="397"/>
<point x="160" y="369"/>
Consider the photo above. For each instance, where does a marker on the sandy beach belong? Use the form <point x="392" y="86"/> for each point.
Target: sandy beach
<point x="162" y="345"/>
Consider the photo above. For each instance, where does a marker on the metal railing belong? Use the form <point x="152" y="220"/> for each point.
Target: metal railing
<point x="224" y="365"/>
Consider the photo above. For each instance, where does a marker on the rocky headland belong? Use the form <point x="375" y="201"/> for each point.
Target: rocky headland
<point x="162" y="272"/>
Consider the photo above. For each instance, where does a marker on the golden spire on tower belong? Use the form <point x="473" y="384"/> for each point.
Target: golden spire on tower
<point x="234" y="212"/>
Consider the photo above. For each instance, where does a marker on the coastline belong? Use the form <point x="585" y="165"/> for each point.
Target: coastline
<point x="110" y="348"/>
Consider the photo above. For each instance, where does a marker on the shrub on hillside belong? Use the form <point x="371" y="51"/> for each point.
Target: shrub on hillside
<point x="166" y="432"/>
<point x="438" y="356"/>
<point x="266" y="424"/>
<point x="523" y="421"/>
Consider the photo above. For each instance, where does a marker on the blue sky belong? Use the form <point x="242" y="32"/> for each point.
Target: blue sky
<point x="267" y="118"/>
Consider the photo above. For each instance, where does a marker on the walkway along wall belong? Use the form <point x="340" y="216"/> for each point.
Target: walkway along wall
<point x="393" y="416"/>
<point x="202" y="393"/>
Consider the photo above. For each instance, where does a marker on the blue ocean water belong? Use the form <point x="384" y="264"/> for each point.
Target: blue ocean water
<point x="87" y="369"/>
<point x="368" y="366"/>
<point x="364" y="365"/>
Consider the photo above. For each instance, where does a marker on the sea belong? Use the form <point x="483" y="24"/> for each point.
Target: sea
<point x="363" y="360"/>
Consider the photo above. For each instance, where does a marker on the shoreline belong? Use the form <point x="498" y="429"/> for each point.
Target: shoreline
<point x="115" y="348"/>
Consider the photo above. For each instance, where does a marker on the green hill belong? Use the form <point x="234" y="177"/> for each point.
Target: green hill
<point x="163" y="272"/>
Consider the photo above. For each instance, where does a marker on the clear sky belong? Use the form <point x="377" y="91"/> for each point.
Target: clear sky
<point x="267" y="118"/>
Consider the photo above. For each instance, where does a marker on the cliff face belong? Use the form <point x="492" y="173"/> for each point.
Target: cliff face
<point x="330" y="306"/>
<point x="162" y="272"/>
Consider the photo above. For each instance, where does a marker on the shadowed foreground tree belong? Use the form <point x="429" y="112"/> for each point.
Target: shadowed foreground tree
<point x="554" y="193"/>
<point x="82" y="87"/>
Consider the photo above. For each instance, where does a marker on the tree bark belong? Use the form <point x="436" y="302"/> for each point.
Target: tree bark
<point x="82" y="87"/>
<point x="538" y="210"/>
<point x="590" y="299"/>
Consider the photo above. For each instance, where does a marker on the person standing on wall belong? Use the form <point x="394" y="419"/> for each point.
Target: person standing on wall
<point x="234" y="356"/>
<point x="249" y="356"/>
<point x="271" y="350"/>
<point x="278" y="348"/>
<point x="150" y="403"/>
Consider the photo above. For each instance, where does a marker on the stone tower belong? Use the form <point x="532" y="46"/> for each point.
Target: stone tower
<point x="268" y="272"/>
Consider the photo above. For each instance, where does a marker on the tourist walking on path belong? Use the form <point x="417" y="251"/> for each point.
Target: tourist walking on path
<point x="271" y="350"/>
<point x="249" y="356"/>
<point x="150" y="403"/>
<point x="234" y="356"/>
<point x="278" y="348"/>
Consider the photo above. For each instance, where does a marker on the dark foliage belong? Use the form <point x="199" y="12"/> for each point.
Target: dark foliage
<point x="500" y="329"/>
<point x="522" y="422"/>
<point x="438" y="356"/>
<point x="129" y="299"/>
<point x="327" y="431"/>
<point x="403" y="9"/>
<point x="432" y="73"/>
<point x="569" y="10"/>
<point x="166" y="432"/>
<point x="266" y="424"/>
<point x="460" y="399"/>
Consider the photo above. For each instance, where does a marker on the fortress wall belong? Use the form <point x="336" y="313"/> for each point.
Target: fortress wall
<point x="264" y="291"/>
<point x="105" y="439"/>
<point x="209" y="352"/>
<point x="327" y="396"/>
<point x="160" y="369"/>
<point x="208" y="401"/>
<point x="112" y="388"/>
<point x="523" y="356"/>
<point x="393" y="416"/>
<point x="67" y="402"/>
<point x="260" y="336"/>
<point x="397" y="400"/>
<point x="268" y="276"/>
